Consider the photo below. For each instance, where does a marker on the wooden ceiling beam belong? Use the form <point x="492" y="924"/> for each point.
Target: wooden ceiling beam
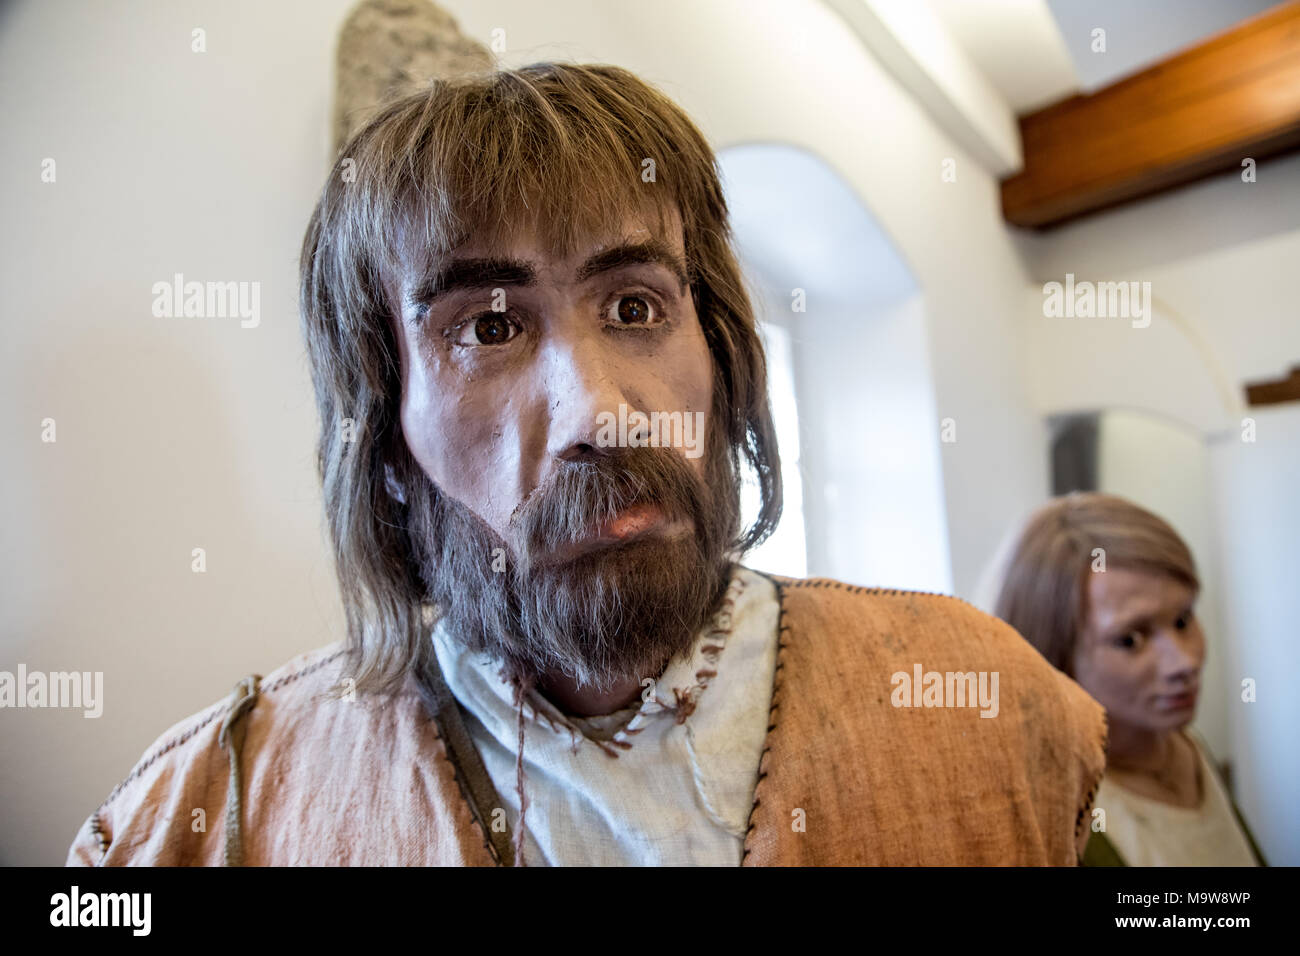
<point x="1235" y="96"/>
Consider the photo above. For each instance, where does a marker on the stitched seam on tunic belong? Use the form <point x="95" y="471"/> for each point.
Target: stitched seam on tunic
<point x="1092" y="791"/>
<point x="782" y="583"/>
<point x="685" y="701"/>
<point x="148" y="761"/>
<point x="310" y="668"/>
<point x="858" y="589"/>
<point x="97" y="825"/>
<point x="782" y="629"/>
<point x="97" y="830"/>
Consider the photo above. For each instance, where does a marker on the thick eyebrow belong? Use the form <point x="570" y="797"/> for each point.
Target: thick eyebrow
<point x="471" y="274"/>
<point x="490" y="273"/>
<point x="649" y="252"/>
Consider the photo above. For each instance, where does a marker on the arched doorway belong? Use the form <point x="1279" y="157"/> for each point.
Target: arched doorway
<point x="852" y="388"/>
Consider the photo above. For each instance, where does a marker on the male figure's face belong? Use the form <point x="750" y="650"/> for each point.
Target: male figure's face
<point x="494" y="401"/>
<point x="544" y="544"/>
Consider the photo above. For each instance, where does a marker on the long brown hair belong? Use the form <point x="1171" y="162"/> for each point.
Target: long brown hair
<point x="569" y="149"/>
<point x="1044" y="590"/>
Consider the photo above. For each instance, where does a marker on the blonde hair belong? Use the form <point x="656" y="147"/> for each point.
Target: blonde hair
<point x="566" y="149"/>
<point x="1044" y="591"/>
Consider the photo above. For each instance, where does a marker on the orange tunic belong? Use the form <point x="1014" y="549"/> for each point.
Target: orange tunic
<point x="847" y="775"/>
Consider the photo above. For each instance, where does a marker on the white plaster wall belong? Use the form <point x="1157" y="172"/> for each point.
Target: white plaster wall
<point x="1221" y="258"/>
<point x="1256" y="521"/>
<point x="172" y="433"/>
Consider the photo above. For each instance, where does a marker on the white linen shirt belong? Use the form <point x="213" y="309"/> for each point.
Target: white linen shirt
<point x="674" y="784"/>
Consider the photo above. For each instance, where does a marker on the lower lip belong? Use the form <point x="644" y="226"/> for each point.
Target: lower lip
<point x="630" y="522"/>
<point x="1178" y="702"/>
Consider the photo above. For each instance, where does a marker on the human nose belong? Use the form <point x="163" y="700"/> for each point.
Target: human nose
<point x="1181" y="655"/>
<point x="584" y="392"/>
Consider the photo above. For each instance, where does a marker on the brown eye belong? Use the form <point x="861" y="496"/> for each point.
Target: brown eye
<point x="633" y="310"/>
<point x="490" y="328"/>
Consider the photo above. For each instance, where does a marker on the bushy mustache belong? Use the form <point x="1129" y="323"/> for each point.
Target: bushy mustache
<point x="582" y="495"/>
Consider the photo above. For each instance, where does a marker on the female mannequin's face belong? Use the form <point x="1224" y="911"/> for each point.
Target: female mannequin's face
<point x="1141" y="650"/>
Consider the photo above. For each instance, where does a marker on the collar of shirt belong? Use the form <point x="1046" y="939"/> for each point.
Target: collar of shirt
<point x="478" y="682"/>
<point x="682" y="788"/>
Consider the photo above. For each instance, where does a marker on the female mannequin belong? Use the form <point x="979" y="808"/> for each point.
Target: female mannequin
<point x="1106" y="591"/>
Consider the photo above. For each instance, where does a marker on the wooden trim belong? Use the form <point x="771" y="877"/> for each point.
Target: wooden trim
<point x="1277" y="391"/>
<point x="1204" y="110"/>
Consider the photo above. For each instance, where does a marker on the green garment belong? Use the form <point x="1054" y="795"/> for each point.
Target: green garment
<point x="1101" y="852"/>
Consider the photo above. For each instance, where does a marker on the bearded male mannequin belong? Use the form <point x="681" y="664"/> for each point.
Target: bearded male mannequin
<point x="553" y="654"/>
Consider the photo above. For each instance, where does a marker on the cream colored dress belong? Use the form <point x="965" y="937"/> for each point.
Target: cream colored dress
<point x="1146" y="832"/>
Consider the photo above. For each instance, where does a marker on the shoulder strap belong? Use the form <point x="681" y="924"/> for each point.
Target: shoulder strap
<point x="475" y="783"/>
<point x="1250" y="837"/>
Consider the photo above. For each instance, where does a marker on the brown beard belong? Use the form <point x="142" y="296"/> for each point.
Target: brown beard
<point x="606" y="615"/>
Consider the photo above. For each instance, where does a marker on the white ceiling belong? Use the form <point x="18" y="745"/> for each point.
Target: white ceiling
<point x="1141" y="32"/>
<point x="1036" y="52"/>
<point x="1016" y="45"/>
